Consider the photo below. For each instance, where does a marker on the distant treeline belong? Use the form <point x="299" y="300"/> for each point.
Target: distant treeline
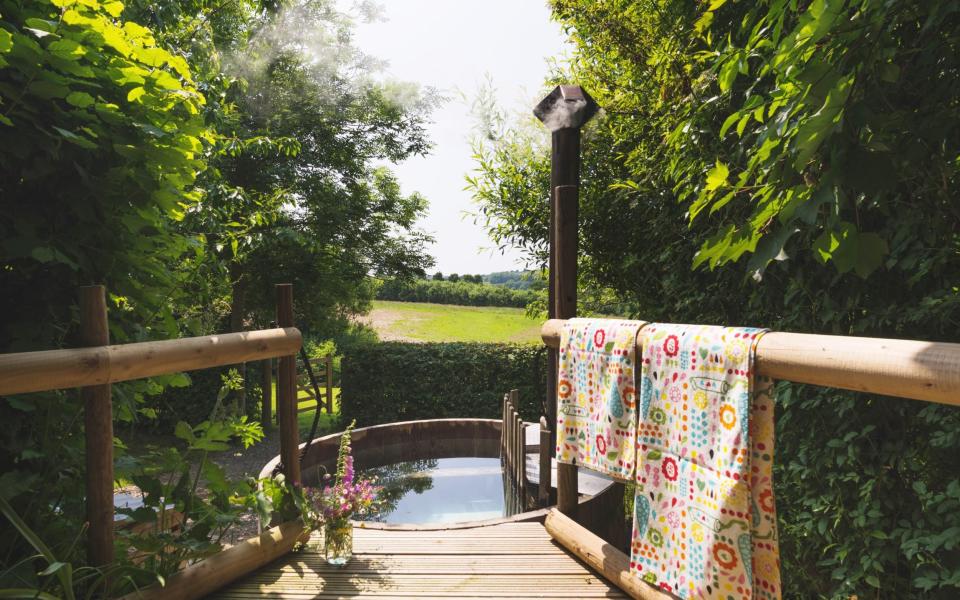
<point x="453" y="292"/>
<point x="517" y="280"/>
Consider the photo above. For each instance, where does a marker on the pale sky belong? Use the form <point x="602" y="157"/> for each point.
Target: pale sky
<point x="453" y="45"/>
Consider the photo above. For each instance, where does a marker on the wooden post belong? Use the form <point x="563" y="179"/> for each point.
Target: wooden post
<point x="564" y="170"/>
<point x="287" y="392"/>
<point x="543" y="486"/>
<point x="522" y="463"/>
<point x="503" y="427"/>
<point x="565" y="236"/>
<point x="329" y="386"/>
<point x="98" y="429"/>
<point x="266" y="383"/>
<point x="508" y="440"/>
<point x="518" y="442"/>
<point x="564" y="111"/>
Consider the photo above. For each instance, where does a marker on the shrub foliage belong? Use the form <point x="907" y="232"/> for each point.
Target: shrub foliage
<point x="395" y="381"/>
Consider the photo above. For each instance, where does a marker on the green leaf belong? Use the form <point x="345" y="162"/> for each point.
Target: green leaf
<point x="52" y="568"/>
<point x="821" y="125"/>
<point x="717" y="176"/>
<point x="703" y="23"/>
<point x="44" y="25"/>
<point x="48" y="89"/>
<point x="830" y="244"/>
<point x="114" y="9"/>
<point x="184" y="431"/>
<point x="43" y="254"/>
<point x="73" y="138"/>
<point x="871" y="250"/>
<point x="80" y="99"/>
<point x="729" y="71"/>
<point x="6" y="40"/>
<point x="728" y="123"/>
<point x="872" y="581"/>
<point x="179" y="380"/>
<point x="67" y="49"/>
<point x="135" y="94"/>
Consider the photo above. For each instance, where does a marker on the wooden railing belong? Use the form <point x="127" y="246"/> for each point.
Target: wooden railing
<point x="513" y="445"/>
<point x="95" y="367"/>
<point x="928" y="371"/>
<point x="323" y="373"/>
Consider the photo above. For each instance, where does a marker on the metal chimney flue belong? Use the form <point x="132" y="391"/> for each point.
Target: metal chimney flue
<point x="563" y="111"/>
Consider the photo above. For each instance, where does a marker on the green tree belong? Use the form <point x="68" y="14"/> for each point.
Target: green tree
<point x="817" y="139"/>
<point x="101" y="139"/>
<point x="186" y="154"/>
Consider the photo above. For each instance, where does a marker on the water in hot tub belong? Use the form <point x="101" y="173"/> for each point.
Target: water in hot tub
<point x="443" y="490"/>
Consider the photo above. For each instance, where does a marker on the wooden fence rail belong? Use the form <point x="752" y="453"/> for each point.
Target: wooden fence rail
<point x="25" y="372"/>
<point x="323" y="372"/>
<point x="927" y="371"/>
<point x="95" y="367"/>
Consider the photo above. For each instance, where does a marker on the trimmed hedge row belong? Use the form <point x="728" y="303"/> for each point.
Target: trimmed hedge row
<point x="397" y="381"/>
<point x="453" y="292"/>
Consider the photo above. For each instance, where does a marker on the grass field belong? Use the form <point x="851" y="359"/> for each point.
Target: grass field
<point x="422" y="322"/>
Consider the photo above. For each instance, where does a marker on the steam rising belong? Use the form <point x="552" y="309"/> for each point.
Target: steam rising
<point x="316" y="36"/>
<point x="564" y="114"/>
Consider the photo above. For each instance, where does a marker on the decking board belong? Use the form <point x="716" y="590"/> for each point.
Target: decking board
<point x="513" y="560"/>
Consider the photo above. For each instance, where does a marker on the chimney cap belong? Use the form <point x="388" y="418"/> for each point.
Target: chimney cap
<point x="566" y="107"/>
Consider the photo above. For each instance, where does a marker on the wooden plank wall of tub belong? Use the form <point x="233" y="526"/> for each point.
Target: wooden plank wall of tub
<point x="513" y="446"/>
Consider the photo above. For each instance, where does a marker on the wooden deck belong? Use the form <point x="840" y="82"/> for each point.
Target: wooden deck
<point x="513" y="560"/>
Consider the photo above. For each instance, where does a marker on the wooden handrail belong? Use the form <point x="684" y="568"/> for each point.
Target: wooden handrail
<point x="917" y="370"/>
<point x="25" y="372"/>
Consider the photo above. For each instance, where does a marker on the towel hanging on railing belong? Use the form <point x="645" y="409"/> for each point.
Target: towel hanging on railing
<point x="704" y="515"/>
<point x="597" y="396"/>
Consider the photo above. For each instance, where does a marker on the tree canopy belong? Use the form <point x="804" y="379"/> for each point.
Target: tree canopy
<point x="187" y="155"/>
<point x="785" y="164"/>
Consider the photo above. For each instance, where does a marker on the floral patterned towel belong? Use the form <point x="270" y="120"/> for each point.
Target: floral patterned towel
<point x="705" y="521"/>
<point x="597" y="396"/>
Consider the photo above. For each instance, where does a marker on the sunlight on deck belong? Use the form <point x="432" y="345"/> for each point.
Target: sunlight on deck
<point x="513" y="560"/>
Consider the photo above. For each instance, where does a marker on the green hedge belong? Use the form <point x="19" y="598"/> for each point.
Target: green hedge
<point x="396" y="381"/>
<point x="453" y="292"/>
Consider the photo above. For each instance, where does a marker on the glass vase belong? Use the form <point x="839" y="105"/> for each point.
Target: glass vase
<point x="338" y="542"/>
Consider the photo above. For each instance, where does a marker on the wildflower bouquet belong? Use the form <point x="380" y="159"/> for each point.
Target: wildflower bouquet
<point x="338" y="500"/>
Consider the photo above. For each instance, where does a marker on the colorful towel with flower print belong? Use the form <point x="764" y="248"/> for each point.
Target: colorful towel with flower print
<point x="597" y="396"/>
<point x="705" y="522"/>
